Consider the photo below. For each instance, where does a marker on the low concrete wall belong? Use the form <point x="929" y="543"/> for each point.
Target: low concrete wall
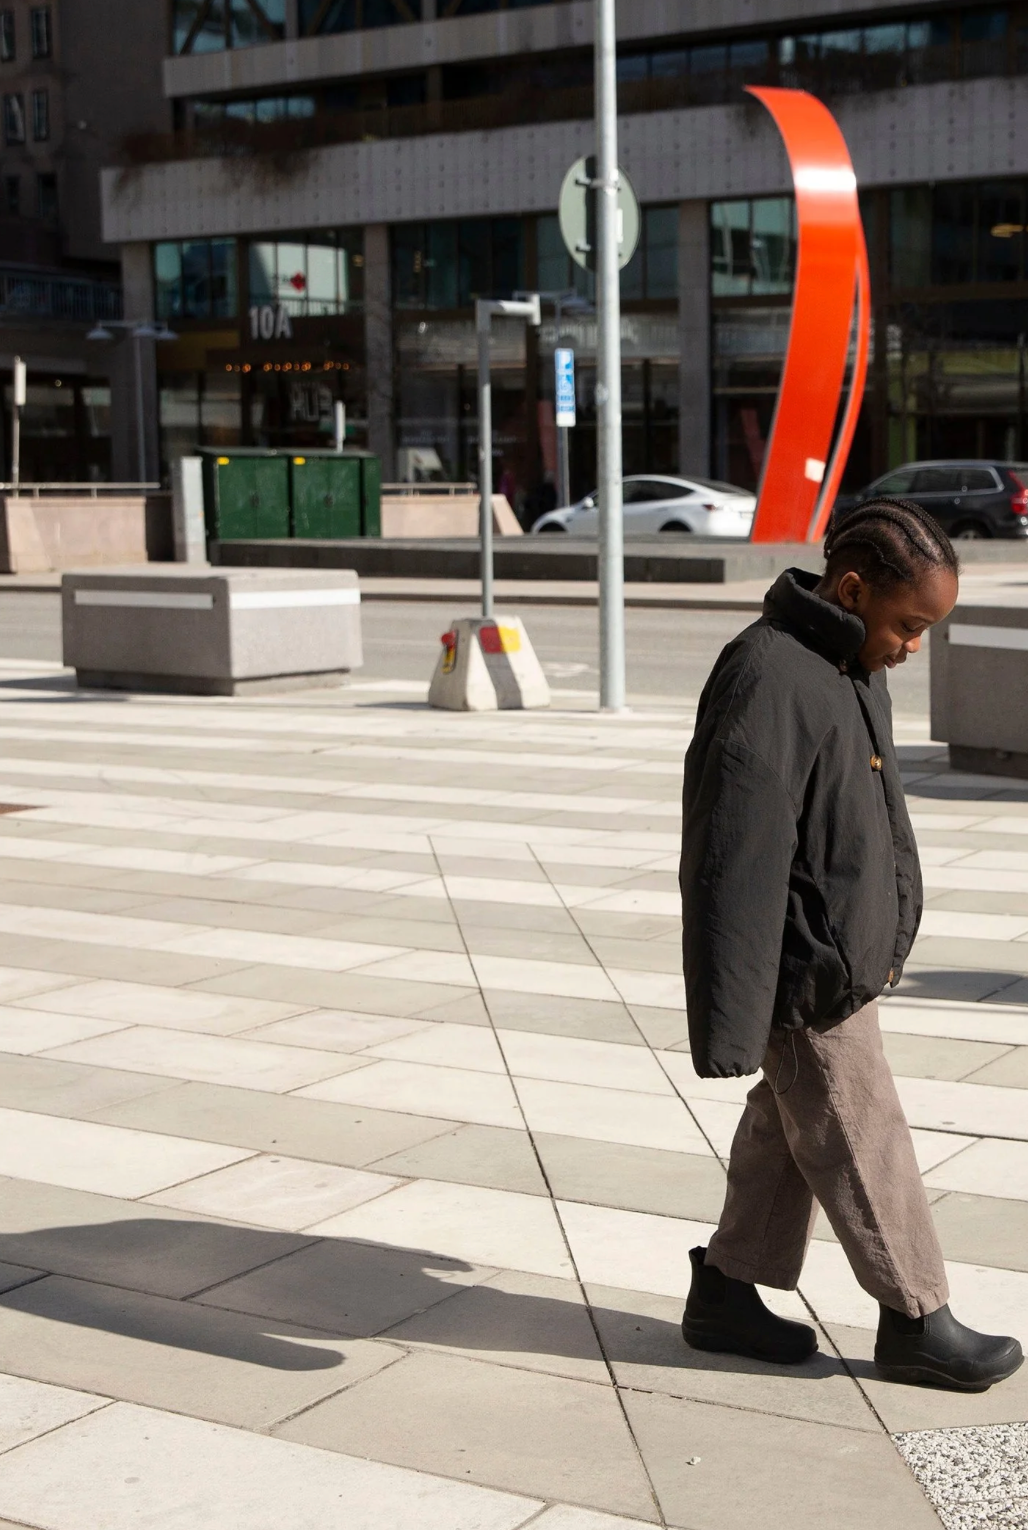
<point x="979" y="681"/>
<point x="211" y="632"/>
<point x="58" y="531"/>
<point x="443" y="515"/>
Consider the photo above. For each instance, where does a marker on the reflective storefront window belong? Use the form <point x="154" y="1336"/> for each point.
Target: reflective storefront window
<point x="753" y="247"/>
<point x="207" y="26"/>
<point x="306" y="277"/>
<point x="957" y="233"/>
<point x="450" y="264"/>
<point x="195" y="279"/>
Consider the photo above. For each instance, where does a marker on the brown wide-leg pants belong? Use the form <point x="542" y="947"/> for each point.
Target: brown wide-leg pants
<point x="825" y="1125"/>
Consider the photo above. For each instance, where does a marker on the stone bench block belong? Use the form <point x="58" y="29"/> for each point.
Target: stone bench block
<point x="211" y="632"/>
<point x="979" y="658"/>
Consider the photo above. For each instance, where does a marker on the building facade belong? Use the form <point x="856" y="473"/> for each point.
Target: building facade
<point x="76" y="76"/>
<point x="341" y="178"/>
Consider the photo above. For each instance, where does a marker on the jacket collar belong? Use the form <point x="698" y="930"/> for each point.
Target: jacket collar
<point x="835" y="632"/>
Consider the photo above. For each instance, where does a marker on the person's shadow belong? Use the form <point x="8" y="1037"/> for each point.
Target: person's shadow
<point x="280" y="1299"/>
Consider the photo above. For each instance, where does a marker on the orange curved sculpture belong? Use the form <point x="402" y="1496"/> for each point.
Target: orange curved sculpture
<point x="801" y="472"/>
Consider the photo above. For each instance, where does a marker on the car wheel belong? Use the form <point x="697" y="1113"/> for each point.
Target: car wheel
<point x="970" y="531"/>
<point x="553" y="530"/>
<point x="676" y="526"/>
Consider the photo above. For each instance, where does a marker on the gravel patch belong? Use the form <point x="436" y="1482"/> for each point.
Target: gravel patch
<point x="977" y="1479"/>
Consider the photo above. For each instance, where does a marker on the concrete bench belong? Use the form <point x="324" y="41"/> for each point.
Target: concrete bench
<point x="979" y="658"/>
<point x="211" y="632"/>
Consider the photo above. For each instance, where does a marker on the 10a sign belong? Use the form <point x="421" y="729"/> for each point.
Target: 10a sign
<point x="270" y="321"/>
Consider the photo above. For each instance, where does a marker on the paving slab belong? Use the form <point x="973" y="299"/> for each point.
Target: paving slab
<point x="642" y="1339"/>
<point x="174" y="1354"/>
<point x="593" y="1019"/>
<point x="345" y="1287"/>
<point x="497" y="1157"/>
<point x="126" y="1465"/>
<point x="553" y="1437"/>
<point x="688" y="1185"/>
<point x="940" y="1057"/>
<point x="528" y="1321"/>
<point x="319" y="1130"/>
<point x="119" y="1243"/>
<point x="901" y="1407"/>
<point x="718" y="1468"/>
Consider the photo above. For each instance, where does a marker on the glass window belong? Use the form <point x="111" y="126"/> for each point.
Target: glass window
<point x="14" y="119"/>
<point x="408" y="250"/>
<point x="307" y="278"/>
<point x="195" y="279"/>
<point x="672" y="62"/>
<point x="889" y="38"/>
<point x="710" y="59"/>
<point x="983" y="26"/>
<point x="634" y="66"/>
<point x="841" y="42"/>
<point x="910" y="236"/>
<point x="40" y="115"/>
<point x="7" y="40"/>
<point x="730" y="248"/>
<point x="260" y="23"/>
<point x="1000" y="232"/>
<point x="751" y="56"/>
<point x="895" y="483"/>
<point x="977" y="480"/>
<point x="508" y="257"/>
<point x="953" y="234"/>
<point x="939" y="480"/>
<point x="553" y="261"/>
<point x="773" y="244"/>
<point x="439" y="287"/>
<point x="473" y="260"/>
<point x="317" y="16"/>
<point x="167" y="266"/>
<point x="46" y="198"/>
<point x="660" y="233"/>
<point x="41" y="23"/>
<point x="12" y="195"/>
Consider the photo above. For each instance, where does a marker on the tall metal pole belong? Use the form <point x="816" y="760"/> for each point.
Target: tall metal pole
<point x="18" y="399"/>
<point x="483" y="323"/>
<point x="608" y="371"/>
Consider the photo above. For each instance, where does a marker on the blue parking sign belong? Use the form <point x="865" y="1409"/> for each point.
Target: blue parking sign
<point x="564" y="360"/>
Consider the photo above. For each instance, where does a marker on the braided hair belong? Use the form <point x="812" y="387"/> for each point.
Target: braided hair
<point x="887" y="542"/>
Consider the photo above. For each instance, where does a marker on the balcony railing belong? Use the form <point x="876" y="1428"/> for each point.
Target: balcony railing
<point x="41" y="296"/>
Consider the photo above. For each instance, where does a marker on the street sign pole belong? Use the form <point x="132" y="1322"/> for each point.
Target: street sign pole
<point x="485" y="311"/>
<point x="18" y="397"/>
<point x="608" y="371"/>
<point x="565" y="417"/>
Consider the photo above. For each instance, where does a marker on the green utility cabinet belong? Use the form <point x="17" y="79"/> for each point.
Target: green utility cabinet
<point x="336" y="494"/>
<point x="246" y="494"/>
<point x="254" y="494"/>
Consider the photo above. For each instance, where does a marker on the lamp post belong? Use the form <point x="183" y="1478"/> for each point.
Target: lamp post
<point x="611" y="559"/>
<point x="140" y="330"/>
<point x="486" y="310"/>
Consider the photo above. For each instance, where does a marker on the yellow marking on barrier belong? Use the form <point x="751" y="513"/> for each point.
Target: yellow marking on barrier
<point x="510" y="640"/>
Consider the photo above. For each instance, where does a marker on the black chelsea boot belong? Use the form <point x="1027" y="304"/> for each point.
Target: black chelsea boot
<point x="938" y="1351"/>
<point x="728" y="1316"/>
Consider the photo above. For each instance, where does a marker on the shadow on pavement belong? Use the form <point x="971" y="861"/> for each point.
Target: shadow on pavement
<point x="274" y="1295"/>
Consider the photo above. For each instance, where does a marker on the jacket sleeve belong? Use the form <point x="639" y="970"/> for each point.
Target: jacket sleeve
<point x="739" y="841"/>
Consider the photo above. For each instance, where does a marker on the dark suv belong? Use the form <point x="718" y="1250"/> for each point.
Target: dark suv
<point x="968" y="499"/>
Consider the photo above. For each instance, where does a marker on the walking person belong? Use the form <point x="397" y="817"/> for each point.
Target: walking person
<point x="802" y="896"/>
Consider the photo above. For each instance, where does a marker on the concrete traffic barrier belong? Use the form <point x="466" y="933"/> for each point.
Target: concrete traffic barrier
<point x="211" y="632"/>
<point x="488" y="665"/>
<point x="979" y="664"/>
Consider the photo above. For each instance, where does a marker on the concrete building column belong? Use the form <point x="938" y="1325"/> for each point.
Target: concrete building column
<point x="378" y="347"/>
<point x="135" y="444"/>
<point x="694" y="374"/>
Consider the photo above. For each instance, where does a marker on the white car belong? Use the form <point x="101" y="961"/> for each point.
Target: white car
<point x="652" y="505"/>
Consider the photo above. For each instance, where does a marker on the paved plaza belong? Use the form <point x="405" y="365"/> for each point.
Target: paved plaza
<point x="352" y="1154"/>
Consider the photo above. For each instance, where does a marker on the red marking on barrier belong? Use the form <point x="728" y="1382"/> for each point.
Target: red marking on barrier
<point x="799" y="484"/>
<point x="490" y="639"/>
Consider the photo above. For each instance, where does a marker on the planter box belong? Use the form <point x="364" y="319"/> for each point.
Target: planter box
<point x="222" y="632"/>
<point x="979" y="659"/>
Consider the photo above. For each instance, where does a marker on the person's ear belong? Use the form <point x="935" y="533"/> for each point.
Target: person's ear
<point x="851" y="591"/>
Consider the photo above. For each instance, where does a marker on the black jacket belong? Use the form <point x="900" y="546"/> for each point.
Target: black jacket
<point x="801" y="889"/>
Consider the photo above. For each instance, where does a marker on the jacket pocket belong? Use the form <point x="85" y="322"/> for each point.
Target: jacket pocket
<point x="814" y="978"/>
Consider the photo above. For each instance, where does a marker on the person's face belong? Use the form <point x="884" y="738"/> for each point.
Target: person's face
<point x="896" y="619"/>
